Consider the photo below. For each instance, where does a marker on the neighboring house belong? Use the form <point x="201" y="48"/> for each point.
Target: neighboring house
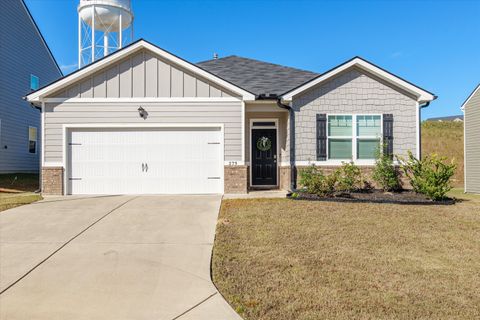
<point x="25" y="63"/>
<point x="143" y="120"/>
<point x="458" y="118"/>
<point x="471" y="129"/>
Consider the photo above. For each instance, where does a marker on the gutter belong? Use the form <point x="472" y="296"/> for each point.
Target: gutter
<point x="293" y="168"/>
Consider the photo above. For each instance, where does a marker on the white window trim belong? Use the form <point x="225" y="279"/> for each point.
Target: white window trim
<point x="275" y="120"/>
<point x="36" y="140"/>
<point x="354" y="136"/>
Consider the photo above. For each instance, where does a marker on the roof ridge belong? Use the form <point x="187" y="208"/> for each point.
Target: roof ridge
<point x="261" y="61"/>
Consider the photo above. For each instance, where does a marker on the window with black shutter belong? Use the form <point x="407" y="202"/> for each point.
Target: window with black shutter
<point x="321" y="137"/>
<point x="388" y="134"/>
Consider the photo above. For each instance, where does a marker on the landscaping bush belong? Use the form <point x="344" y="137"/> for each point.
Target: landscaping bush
<point x="314" y="181"/>
<point x="429" y="176"/>
<point x="385" y="174"/>
<point x="349" y="177"/>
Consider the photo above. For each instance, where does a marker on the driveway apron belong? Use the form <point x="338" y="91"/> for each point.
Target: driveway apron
<point x="119" y="257"/>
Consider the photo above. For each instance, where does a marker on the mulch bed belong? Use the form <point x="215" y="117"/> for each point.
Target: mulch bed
<point x="374" y="196"/>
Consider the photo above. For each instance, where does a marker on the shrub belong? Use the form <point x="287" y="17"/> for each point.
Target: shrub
<point x="314" y="181"/>
<point x="385" y="174"/>
<point x="429" y="176"/>
<point x="349" y="177"/>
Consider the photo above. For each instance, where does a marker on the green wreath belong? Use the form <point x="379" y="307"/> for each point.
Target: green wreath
<point x="264" y="144"/>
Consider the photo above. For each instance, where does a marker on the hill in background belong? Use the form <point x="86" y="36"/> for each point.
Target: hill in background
<point x="445" y="139"/>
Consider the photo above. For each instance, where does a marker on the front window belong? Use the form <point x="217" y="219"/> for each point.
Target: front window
<point x="340" y="137"/>
<point x="352" y="137"/>
<point x="32" y="140"/>
<point x="368" y="136"/>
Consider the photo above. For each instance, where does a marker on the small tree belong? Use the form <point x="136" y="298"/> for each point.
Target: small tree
<point x="429" y="176"/>
<point x="385" y="174"/>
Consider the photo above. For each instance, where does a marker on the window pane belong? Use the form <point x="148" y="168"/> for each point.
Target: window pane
<point x="32" y="139"/>
<point x="32" y="134"/>
<point x="34" y="82"/>
<point x="368" y="126"/>
<point x="340" y="126"/>
<point x="340" y="149"/>
<point x="32" y="146"/>
<point x="367" y="148"/>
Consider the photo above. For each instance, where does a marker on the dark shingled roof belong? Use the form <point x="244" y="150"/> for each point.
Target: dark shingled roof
<point x="255" y="76"/>
<point x="448" y="118"/>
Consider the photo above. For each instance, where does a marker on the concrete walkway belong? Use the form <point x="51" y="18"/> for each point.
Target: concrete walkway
<point x="119" y="257"/>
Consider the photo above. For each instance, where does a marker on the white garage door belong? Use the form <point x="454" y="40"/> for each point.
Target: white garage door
<point x="150" y="161"/>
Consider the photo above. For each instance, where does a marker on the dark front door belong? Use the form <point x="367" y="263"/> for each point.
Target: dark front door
<point x="264" y="157"/>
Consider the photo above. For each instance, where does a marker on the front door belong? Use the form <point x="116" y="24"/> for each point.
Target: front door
<point x="264" y="157"/>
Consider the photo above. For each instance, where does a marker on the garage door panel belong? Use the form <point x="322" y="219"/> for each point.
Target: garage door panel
<point x="136" y="161"/>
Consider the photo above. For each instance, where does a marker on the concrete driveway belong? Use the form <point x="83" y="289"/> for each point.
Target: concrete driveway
<point x="118" y="257"/>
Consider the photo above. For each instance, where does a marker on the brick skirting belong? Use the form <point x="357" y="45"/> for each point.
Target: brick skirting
<point x="285" y="177"/>
<point x="52" y="180"/>
<point x="236" y="179"/>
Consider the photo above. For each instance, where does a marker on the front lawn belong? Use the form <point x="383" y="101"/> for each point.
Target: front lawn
<point x="285" y="259"/>
<point x="12" y="200"/>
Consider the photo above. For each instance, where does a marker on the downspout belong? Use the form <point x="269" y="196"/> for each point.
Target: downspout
<point x="293" y="169"/>
<point x="420" y="107"/>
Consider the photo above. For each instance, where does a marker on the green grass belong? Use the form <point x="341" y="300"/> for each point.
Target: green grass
<point x="445" y="139"/>
<point x="458" y="193"/>
<point x="283" y="259"/>
<point x="12" y="200"/>
<point x="19" y="182"/>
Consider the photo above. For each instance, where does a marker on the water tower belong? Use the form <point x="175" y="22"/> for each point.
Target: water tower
<point x="103" y="27"/>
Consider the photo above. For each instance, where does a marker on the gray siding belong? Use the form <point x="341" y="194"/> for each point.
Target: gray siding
<point x="22" y="52"/>
<point x="353" y="92"/>
<point x="142" y="75"/>
<point x="472" y="144"/>
<point x="228" y="113"/>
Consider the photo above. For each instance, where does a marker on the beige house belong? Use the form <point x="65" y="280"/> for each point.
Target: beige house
<point x="143" y="120"/>
<point x="471" y="125"/>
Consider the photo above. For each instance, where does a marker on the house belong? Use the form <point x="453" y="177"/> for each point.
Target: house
<point x="143" y="120"/>
<point x="471" y="138"/>
<point x="458" y="118"/>
<point x="26" y="63"/>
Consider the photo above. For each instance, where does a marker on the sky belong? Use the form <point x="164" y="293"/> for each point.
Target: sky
<point x="434" y="44"/>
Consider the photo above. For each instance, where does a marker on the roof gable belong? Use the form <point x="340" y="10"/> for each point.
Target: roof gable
<point x="257" y="76"/>
<point x="474" y="92"/>
<point x="83" y="75"/>
<point x="357" y="62"/>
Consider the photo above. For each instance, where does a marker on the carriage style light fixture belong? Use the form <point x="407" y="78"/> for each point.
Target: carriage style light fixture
<point x="143" y="113"/>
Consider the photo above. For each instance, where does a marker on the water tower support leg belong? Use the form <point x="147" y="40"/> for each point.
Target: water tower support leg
<point x="79" y="42"/>
<point x="105" y="44"/>
<point x="93" y="33"/>
<point x="120" y="40"/>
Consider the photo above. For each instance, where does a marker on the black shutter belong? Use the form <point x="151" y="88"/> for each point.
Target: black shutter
<point x="321" y="137"/>
<point x="388" y="134"/>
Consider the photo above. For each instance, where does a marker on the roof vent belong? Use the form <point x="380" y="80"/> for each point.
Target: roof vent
<point x="215" y="56"/>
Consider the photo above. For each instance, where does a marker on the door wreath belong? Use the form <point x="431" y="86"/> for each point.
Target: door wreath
<point x="264" y="144"/>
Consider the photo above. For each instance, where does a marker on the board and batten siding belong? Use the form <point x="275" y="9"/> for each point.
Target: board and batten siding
<point x="472" y="143"/>
<point x="22" y="53"/>
<point x="227" y="113"/>
<point x="143" y="74"/>
<point x="354" y="92"/>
